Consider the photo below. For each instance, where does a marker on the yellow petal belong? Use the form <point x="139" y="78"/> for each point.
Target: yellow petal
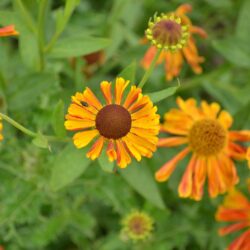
<point x="96" y="149"/>
<point x="120" y="86"/>
<point x="81" y="139"/>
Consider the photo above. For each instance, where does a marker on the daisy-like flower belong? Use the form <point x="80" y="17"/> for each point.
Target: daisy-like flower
<point x="235" y="209"/>
<point x="205" y="130"/>
<point x="8" y="31"/>
<point x="137" y="226"/>
<point x="174" y="32"/>
<point x="1" y="129"/>
<point x="128" y="125"/>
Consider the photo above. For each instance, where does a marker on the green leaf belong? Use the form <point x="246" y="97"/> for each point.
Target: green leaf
<point x="234" y="50"/>
<point x="41" y="141"/>
<point x="57" y="120"/>
<point x="69" y="164"/>
<point x="141" y="179"/>
<point x="162" y="94"/>
<point x="105" y="164"/>
<point x="242" y="28"/>
<point x="242" y="117"/>
<point x="129" y="72"/>
<point x="26" y="90"/>
<point x="78" y="46"/>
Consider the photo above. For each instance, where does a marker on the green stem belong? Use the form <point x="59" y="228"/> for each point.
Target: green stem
<point x="18" y="126"/>
<point x="41" y="21"/>
<point x="29" y="132"/>
<point x="150" y="69"/>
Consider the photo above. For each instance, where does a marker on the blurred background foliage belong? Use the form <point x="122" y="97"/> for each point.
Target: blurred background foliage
<point x="51" y="196"/>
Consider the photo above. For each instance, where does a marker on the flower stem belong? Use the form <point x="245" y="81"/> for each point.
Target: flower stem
<point x="150" y="69"/>
<point x="18" y="126"/>
<point x="29" y="132"/>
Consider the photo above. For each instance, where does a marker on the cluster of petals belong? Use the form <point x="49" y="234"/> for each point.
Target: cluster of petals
<point x="205" y="132"/>
<point x="174" y="60"/>
<point x="235" y="209"/>
<point x="128" y="125"/>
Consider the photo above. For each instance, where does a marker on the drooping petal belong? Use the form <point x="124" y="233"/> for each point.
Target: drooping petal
<point x="199" y="31"/>
<point x="236" y="151"/>
<point x="186" y="184"/>
<point x="111" y="152"/>
<point x="242" y="242"/>
<point x="81" y="139"/>
<point x="96" y="149"/>
<point x="173" y="64"/>
<point x="167" y="169"/>
<point x="123" y="158"/>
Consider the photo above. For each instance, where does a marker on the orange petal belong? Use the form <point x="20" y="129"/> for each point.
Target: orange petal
<point x="233" y="228"/>
<point x="132" y="96"/>
<point x="173" y="64"/>
<point x="183" y="9"/>
<point x="200" y="172"/>
<point x="186" y="184"/>
<point x="225" y="119"/>
<point x="96" y="149"/>
<point x="232" y="215"/>
<point x="189" y="107"/>
<point x="213" y="181"/>
<point x="111" y="152"/>
<point x="248" y="156"/>
<point x="243" y="135"/>
<point x="191" y="54"/>
<point x="120" y="86"/>
<point x="149" y="56"/>
<point x="236" y="151"/>
<point x="172" y="141"/>
<point x="132" y="149"/>
<point x="91" y="99"/>
<point x="198" y="30"/>
<point x="123" y="158"/>
<point x="81" y="139"/>
<point x="167" y="169"/>
<point x="242" y="242"/>
<point x="8" y="31"/>
<point x="106" y="91"/>
<point x="77" y="125"/>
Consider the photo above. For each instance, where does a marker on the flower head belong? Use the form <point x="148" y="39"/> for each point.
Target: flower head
<point x="8" y="31"/>
<point x="167" y="31"/>
<point x="1" y="129"/>
<point x="174" y="30"/>
<point x="137" y="226"/>
<point x="128" y="125"/>
<point x="235" y="209"/>
<point x="205" y="130"/>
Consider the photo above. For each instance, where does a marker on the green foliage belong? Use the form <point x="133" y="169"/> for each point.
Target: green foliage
<point x="52" y="196"/>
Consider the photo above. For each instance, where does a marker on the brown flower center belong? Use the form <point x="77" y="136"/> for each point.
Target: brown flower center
<point x="137" y="226"/>
<point x="207" y="137"/>
<point x="167" y="32"/>
<point x="113" y="121"/>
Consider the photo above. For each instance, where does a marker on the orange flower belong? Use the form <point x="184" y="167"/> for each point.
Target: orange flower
<point x="8" y="31"/>
<point x="188" y="50"/>
<point x="128" y="125"/>
<point x="235" y="209"/>
<point x="205" y="130"/>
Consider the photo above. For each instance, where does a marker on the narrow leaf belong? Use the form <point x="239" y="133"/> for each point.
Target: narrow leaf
<point x="162" y="94"/>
